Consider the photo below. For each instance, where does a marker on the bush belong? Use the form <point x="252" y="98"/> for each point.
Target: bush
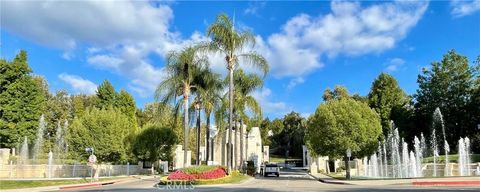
<point x="251" y="170"/>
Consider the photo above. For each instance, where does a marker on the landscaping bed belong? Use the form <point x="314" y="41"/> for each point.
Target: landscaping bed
<point x="202" y="175"/>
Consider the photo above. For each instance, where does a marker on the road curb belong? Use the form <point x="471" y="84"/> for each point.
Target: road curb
<point x="329" y="182"/>
<point x="467" y="182"/>
<point x="87" y="185"/>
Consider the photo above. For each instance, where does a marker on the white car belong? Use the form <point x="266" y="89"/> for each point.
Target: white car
<point x="271" y="169"/>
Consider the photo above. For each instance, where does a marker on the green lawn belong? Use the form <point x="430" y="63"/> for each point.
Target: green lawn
<point x="17" y="184"/>
<point x="277" y="159"/>
<point x="452" y="158"/>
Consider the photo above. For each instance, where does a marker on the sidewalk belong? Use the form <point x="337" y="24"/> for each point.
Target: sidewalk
<point x="73" y="186"/>
<point x="448" y="181"/>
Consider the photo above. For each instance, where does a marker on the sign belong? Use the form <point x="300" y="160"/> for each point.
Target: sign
<point x="349" y="153"/>
<point x="92" y="159"/>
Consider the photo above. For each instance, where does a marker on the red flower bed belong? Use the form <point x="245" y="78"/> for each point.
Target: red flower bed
<point x="214" y="174"/>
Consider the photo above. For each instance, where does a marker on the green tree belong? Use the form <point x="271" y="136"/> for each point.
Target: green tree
<point x="126" y="104"/>
<point x="264" y="130"/>
<point x="22" y="101"/>
<point x="337" y="93"/>
<point x="448" y="84"/>
<point x="182" y="68"/>
<point x="81" y="103"/>
<point x="293" y="133"/>
<point x="106" y="95"/>
<point x="154" y="143"/>
<point x="230" y="42"/>
<point x="103" y="129"/>
<point x="341" y="124"/>
<point x="385" y="94"/>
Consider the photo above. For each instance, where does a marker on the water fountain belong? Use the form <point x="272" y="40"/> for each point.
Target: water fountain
<point x="405" y="159"/>
<point x="50" y="163"/>
<point x="385" y="166"/>
<point x="413" y="165"/>
<point x="37" y="147"/>
<point x="60" y="145"/>
<point x="24" y="151"/>
<point x="434" y="151"/>
<point x="464" y="156"/>
<point x="393" y="159"/>
<point x="438" y="122"/>
<point x="418" y="155"/>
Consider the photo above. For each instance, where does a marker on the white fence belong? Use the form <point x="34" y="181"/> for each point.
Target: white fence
<point x="67" y="171"/>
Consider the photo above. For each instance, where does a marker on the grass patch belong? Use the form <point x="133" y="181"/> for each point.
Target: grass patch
<point x="18" y="184"/>
<point x="452" y="158"/>
<point x="229" y="179"/>
<point x="281" y="159"/>
<point x="277" y="159"/>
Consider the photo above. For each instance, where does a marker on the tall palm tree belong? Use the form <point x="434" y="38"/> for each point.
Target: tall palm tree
<point x="181" y="68"/>
<point x="246" y="84"/>
<point x="230" y="42"/>
<point x="211" y="100"/>
<point x="207" y="98"/>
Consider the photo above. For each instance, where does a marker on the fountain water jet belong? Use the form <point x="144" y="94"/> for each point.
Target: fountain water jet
<point x="37" y="147"/>
<point x="464" y="156"/>
<point x="434" y="151"/>
<point x="418" y="156"/>
<point x="413" y="165"/>
<point x="405" y="159"/>
<point x="24" y="151"/>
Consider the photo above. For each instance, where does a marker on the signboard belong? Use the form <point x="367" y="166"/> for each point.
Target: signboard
<point x="349" y="153"/>
<point x="92" y="159"/>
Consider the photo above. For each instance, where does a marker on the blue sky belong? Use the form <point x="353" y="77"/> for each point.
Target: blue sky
<point x="310" y="45"/>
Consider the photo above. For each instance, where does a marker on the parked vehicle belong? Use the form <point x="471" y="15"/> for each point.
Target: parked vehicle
<point x="271" y="169"/>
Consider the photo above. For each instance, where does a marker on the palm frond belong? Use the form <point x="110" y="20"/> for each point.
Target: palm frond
<point x="256" y="60"/>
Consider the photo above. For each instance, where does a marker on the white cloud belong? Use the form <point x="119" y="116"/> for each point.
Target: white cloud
<point x="394" y="64"/>
<point x="66" y="24"/>
<point x="349" y="30"/>
<point x="263" y="96"/>
<point x="67" y="55"/>
<point x="464" y="8"/>
<point x="119" y="36"/>
<point x="78" y="84"/>
<point x="294" y="82"/>
<point x="254" y="7"/>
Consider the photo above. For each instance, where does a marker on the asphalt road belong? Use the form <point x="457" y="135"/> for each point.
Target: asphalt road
<point x="289" y="180"/>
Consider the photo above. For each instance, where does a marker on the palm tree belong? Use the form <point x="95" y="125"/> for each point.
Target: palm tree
<point x="211" y="100"/>
<point x="206" y="97"/>
<point x="230" y="42"/>
<point x="246" y="84"/>
<point x="181" y="67"/>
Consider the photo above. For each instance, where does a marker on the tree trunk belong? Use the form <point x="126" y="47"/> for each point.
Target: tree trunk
<point x="347" y="168"/>
<point x="235" y="157"/>
<point x="241" y="144"/>
<point x="185" y="131"/>
<point x="230" y="118"/>
<point x="198" y="137"/>
<point x="208" y="138"/>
